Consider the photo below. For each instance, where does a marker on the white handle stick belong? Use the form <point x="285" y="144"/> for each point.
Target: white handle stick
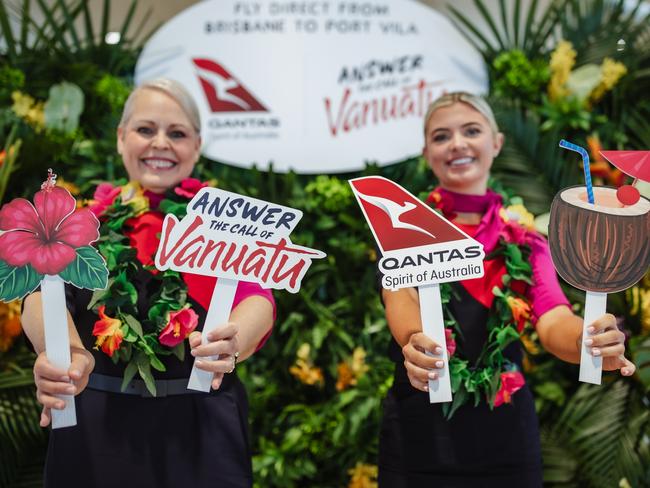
<point x="433" y="326"/>
<point x="591" y="367"/>
<point x="218" y="315"/>
<point x="57" y="342"/>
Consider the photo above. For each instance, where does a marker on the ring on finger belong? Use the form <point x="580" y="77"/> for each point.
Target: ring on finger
<point x="234" y="362"/>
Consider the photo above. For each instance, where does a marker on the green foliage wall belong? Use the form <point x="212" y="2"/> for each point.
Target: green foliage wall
<point x="316" y="387"/>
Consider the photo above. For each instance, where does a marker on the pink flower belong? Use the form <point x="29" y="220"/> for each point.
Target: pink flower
<point x="179" y="325"/>
<point x="511" y="382"/>
<point x="189" y="187"/>
<point x="105" y="195"/>
<point x="451" y="342"/>
<point x="45" y="235"/>
<point x="514" y="233"/>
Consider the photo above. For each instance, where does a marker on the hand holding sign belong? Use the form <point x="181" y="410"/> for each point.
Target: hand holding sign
<point x="419" y="248"/>
<point x="48" y="243"/>
<point x="234" y="238"/>
<point x="599" y="245"/>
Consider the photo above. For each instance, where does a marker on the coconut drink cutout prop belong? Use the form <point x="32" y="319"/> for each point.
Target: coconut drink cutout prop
<point x="420" y="248"/>
<point x="599" y="241"/>
<point x="49" y="244"/>
<point x="233" y="237"/>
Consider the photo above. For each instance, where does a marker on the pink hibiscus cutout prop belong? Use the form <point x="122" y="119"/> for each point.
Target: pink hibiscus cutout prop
<point x="49" y="243"/>
<point x="50" y="237"/>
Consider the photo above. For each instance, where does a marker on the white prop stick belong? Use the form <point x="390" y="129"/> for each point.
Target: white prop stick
<point x="57" y="342"/>
<point x="591" y="367"/>
<point x="218" y="315"/>
<point x="433" y="326"/>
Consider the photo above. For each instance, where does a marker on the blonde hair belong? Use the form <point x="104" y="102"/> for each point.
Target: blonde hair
<point x="478" y="103"/>
<point x="170" y="88"/>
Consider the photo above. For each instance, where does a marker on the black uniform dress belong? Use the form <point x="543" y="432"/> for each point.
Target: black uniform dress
<point x="477" y="447"/>
<point x="121" y="441"/>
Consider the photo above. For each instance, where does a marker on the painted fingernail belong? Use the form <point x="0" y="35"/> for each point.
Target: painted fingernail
<point x="438" y="350"/>
<point x="439" y="364"/>
<point x="432" y="376"/>
<point x="589" y="342"/>
<point x="595" y="352"/>
<point x="590" y="330"/>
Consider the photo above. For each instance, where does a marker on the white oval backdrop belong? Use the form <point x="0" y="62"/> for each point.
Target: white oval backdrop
<point x="316" y="87"/>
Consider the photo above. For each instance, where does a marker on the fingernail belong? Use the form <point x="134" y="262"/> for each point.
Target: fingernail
<point x="438" y="350"/>
<point x="65" y="379"/>
<point x="75" y="373"/>
<point x="439" y="364"/>
<point x="589" y="342"/>
<point x="432" y="376"/>
<point x="193" y="352"/>
<point x="60" y="405"/>
<point x="425" y="387"/>
<point x="70" y="390"/>
<point x="595" y="352"/>
<point x="590" y="330"/>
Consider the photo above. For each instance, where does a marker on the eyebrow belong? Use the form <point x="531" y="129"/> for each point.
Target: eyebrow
<point x="462" y="126"/>
<point x="152" y="122"/>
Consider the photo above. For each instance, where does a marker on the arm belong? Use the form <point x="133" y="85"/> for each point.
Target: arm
<point x="249" y="322"/>
<point x="51" y="381"/>
<point x="403" y="317"/>
<point x="560" y="332"/>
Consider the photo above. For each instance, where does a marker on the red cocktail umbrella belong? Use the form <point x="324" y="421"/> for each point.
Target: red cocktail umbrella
<point x="633" y="163"/>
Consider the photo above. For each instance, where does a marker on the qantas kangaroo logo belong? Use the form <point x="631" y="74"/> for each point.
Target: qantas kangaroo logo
<point x="223" y="91"/>
<point x="398" y="219"/>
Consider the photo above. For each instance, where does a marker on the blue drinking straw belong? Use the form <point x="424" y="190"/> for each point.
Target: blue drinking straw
<point x="585" y="165"/>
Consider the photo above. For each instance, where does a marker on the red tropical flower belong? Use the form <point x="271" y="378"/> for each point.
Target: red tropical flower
<point x="520" y="311"/>
<point x="108" y="331"/>
<point x="46" y="234"/>
<point x="105" y="195"/>
<point x="189" y="187"/>
<point x="511" y="382"/>
<point x="179" y="325"/>
<point x="451" y="342"/>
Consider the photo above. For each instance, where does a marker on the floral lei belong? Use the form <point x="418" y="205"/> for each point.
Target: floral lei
<point x="493" y="377"/>
<point x="170" y="319"/>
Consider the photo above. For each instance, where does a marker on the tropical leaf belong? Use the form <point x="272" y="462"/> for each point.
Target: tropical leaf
<point x="88" y="270"/>
<point x="17" y="281"/>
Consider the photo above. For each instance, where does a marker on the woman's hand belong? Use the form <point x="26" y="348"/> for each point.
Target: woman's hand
<point x="222" y="343"/>
<point x="420" y="367"/>
<point x="51" y="381"/>
<point x="606" y="340"/>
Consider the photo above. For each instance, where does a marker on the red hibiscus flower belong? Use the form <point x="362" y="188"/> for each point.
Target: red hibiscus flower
<point x="109" y="333"/>
<point x="451" y="342"/>
<point x="46" y="234"/>
<point x="105" y="195"/>
<point x="189" y="187"/>
<point x="179" y="325"/>
<point x="511" y="382"/>
<point x="513" y="232"/>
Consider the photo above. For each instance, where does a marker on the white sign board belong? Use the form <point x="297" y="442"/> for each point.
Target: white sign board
<point x="314" y="87"/>
<point x="233" y="237"/>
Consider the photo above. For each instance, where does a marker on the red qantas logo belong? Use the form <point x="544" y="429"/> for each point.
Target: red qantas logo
<point x="223" y="91"/>
<point x="398" y="219"/>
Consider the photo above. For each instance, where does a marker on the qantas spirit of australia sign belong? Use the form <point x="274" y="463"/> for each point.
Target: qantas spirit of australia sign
<point x="315" y="86"/>
<point x="418" y="246"/>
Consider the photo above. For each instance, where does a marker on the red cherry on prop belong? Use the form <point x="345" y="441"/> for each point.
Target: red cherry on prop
<point x="628" y="195"/>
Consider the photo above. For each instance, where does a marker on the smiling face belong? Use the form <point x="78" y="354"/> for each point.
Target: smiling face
<point x="460" y="146"/>
<point x="158" y="143"/>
